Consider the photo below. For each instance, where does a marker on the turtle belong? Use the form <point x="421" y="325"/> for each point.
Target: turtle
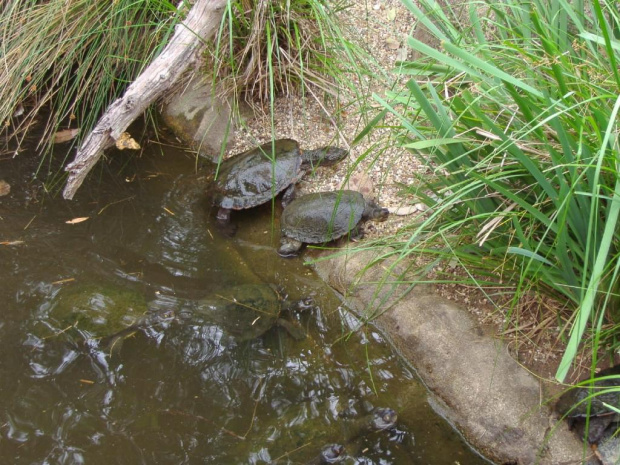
<point x="323" y="217"/>
<point x="351" y="433"/>
<point x="573" y="404"/>
<point x="254" y="177"/>
<point x="379" y="419"/>
<point x="247" y="311"/>
<point x="99" y="314"/>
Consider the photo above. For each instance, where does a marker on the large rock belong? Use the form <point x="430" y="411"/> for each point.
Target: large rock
<point x="199" y="118"/>
<point x="496" y="404"/>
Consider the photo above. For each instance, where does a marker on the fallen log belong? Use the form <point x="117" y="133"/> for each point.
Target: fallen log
<point x="201" y="23"/>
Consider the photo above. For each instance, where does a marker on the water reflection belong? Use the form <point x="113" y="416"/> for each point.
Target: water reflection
<point x="181" y="389"/>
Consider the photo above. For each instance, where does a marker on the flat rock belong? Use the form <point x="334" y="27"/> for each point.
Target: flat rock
<point x="474" y="382"/>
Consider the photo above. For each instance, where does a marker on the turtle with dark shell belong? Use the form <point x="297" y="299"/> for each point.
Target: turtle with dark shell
<point x="248" y="311"/>
<point x="254" y="177"/>
<point x="573" y="404"/>
<point x="323" y="217"/>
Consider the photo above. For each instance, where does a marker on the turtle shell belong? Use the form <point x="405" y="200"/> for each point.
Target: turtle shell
<point x="95" y="311"/>
<point x="255" y="177"/>
<point x="245" y="312"/>
<point x="574" y="403"/>
<point x="322" y="216"/>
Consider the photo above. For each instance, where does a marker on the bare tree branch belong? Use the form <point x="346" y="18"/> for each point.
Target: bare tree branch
<point x="201" y="23"/>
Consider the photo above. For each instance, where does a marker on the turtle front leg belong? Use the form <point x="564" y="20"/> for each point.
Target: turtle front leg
<point x="223" y="215"/>
<point x="223" y="224"/>
<point x="289" y="195"/>
<point x="357" y="233"/>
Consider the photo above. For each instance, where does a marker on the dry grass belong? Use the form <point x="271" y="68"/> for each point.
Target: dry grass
<point x="71" y="58"/>
<point x="266" y="49"/>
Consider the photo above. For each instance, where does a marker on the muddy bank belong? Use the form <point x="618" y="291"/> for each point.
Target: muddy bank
<point x="495" y="403"/>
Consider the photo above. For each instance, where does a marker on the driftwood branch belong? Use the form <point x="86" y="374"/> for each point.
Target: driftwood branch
<point x="201" y="23"/>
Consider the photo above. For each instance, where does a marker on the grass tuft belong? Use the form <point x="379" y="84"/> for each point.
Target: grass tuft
<point x="516" y="115"/>
<point x="265" y="49"/>
<point x="64" y="61"/>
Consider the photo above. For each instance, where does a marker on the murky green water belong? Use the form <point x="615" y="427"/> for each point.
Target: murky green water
<point x="181" y="390"/>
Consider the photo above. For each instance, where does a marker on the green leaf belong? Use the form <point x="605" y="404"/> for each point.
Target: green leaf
<point x="528" y="254"/>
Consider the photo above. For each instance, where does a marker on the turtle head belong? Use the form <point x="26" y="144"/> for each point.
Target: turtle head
<point x="305" y="304"/>
<point x="375" y="212"/>
<point x="383" y="418"/>
<point x="325" y="156"/>
<point x="161" y="311"/>
<point x="332" y="453"/>
<point x="289" y="247"/>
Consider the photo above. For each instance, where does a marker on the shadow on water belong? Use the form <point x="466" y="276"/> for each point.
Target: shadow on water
<point x="110" y="357"/>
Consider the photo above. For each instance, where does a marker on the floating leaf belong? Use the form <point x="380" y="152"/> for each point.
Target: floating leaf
<point x="125" y="141"/>
<point x="11" y="242"/>
<point x="77" y="220"/>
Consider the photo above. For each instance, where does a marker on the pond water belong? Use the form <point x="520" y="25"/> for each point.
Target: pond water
<point x="177" y="388"/>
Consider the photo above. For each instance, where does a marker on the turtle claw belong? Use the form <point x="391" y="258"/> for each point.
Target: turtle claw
<point x="223" y="215"/>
